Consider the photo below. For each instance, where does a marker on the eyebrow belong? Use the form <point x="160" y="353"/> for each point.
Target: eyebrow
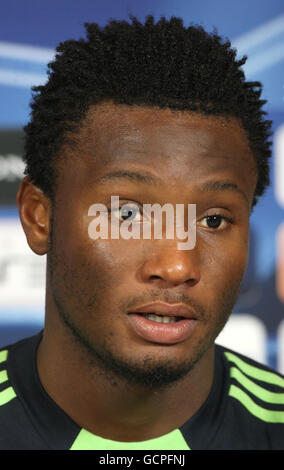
<point x="223" y="186"/>
<point x="130" y="175"/>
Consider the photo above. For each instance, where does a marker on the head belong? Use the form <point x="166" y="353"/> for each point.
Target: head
<point x="171" y="106"/>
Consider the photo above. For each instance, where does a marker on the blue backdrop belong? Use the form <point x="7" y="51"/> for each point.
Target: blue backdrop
<point x="29" y="32"/>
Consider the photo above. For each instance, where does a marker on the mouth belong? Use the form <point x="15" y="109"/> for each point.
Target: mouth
<point x="165" y="312"/>
<point x="163" y="323"/>
<point x="153" y="316"/>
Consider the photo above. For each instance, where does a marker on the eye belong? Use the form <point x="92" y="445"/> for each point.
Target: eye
<point x="128" y="211"/>
<point x="215" y="222"/>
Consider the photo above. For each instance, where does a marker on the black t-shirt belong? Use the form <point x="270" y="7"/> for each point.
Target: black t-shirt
<point x="244" y="410"/>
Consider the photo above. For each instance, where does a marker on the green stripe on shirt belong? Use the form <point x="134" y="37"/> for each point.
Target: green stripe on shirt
<point x="7" y="395"/>
<point x="269" y="416"/>
<point x="3" y="355"/>
<point x="255" y="372"/>
<point x="3" y="376"/>
<point x="260" y="392"/>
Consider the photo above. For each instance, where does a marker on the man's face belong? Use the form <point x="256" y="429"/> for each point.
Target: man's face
<point x="96" y="283"/>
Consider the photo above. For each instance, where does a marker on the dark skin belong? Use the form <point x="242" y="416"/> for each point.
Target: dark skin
<point x="92" y="285"/>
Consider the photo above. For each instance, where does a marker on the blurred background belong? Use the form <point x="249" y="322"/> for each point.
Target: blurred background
<point x="29" y="32"/>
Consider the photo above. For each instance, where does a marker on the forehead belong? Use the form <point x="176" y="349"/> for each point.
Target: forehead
<point x="177" y="143"/>
<point x="110" y="123"/>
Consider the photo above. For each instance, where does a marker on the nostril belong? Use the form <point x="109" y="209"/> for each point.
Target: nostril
<point x="170" y="272"/>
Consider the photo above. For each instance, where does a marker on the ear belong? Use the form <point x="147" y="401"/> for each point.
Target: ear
<point x="35" y="211"/>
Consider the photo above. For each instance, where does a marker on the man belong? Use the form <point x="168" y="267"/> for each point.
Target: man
<point x="154" y="114"/>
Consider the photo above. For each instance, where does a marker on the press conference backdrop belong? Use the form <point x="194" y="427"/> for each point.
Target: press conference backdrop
<point x="29" y="33"/>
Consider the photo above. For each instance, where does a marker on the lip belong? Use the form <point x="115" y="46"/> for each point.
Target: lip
<point x="169" y="310"/>
<point x="163" y="333"/>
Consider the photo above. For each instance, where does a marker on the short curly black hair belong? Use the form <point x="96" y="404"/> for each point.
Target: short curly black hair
<point x="160" y="64"/>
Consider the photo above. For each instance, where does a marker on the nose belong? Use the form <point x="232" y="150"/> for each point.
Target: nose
<point x="170" y="267"/>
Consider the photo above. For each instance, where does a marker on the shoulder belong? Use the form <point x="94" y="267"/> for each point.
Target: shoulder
<point x="10" y="407"/>
<point x="7" y="392"/>
<point x="255" y="399"/>
<point x="16" y="426"/>
<point x="240" y="364"/>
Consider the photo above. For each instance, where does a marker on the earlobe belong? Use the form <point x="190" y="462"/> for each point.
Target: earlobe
<point x="34" y="210"/>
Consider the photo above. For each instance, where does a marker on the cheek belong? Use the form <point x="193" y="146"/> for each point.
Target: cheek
<point x="84" y="258"/>
<point x="224" y="262"/>
<point x="105" y="265"/>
